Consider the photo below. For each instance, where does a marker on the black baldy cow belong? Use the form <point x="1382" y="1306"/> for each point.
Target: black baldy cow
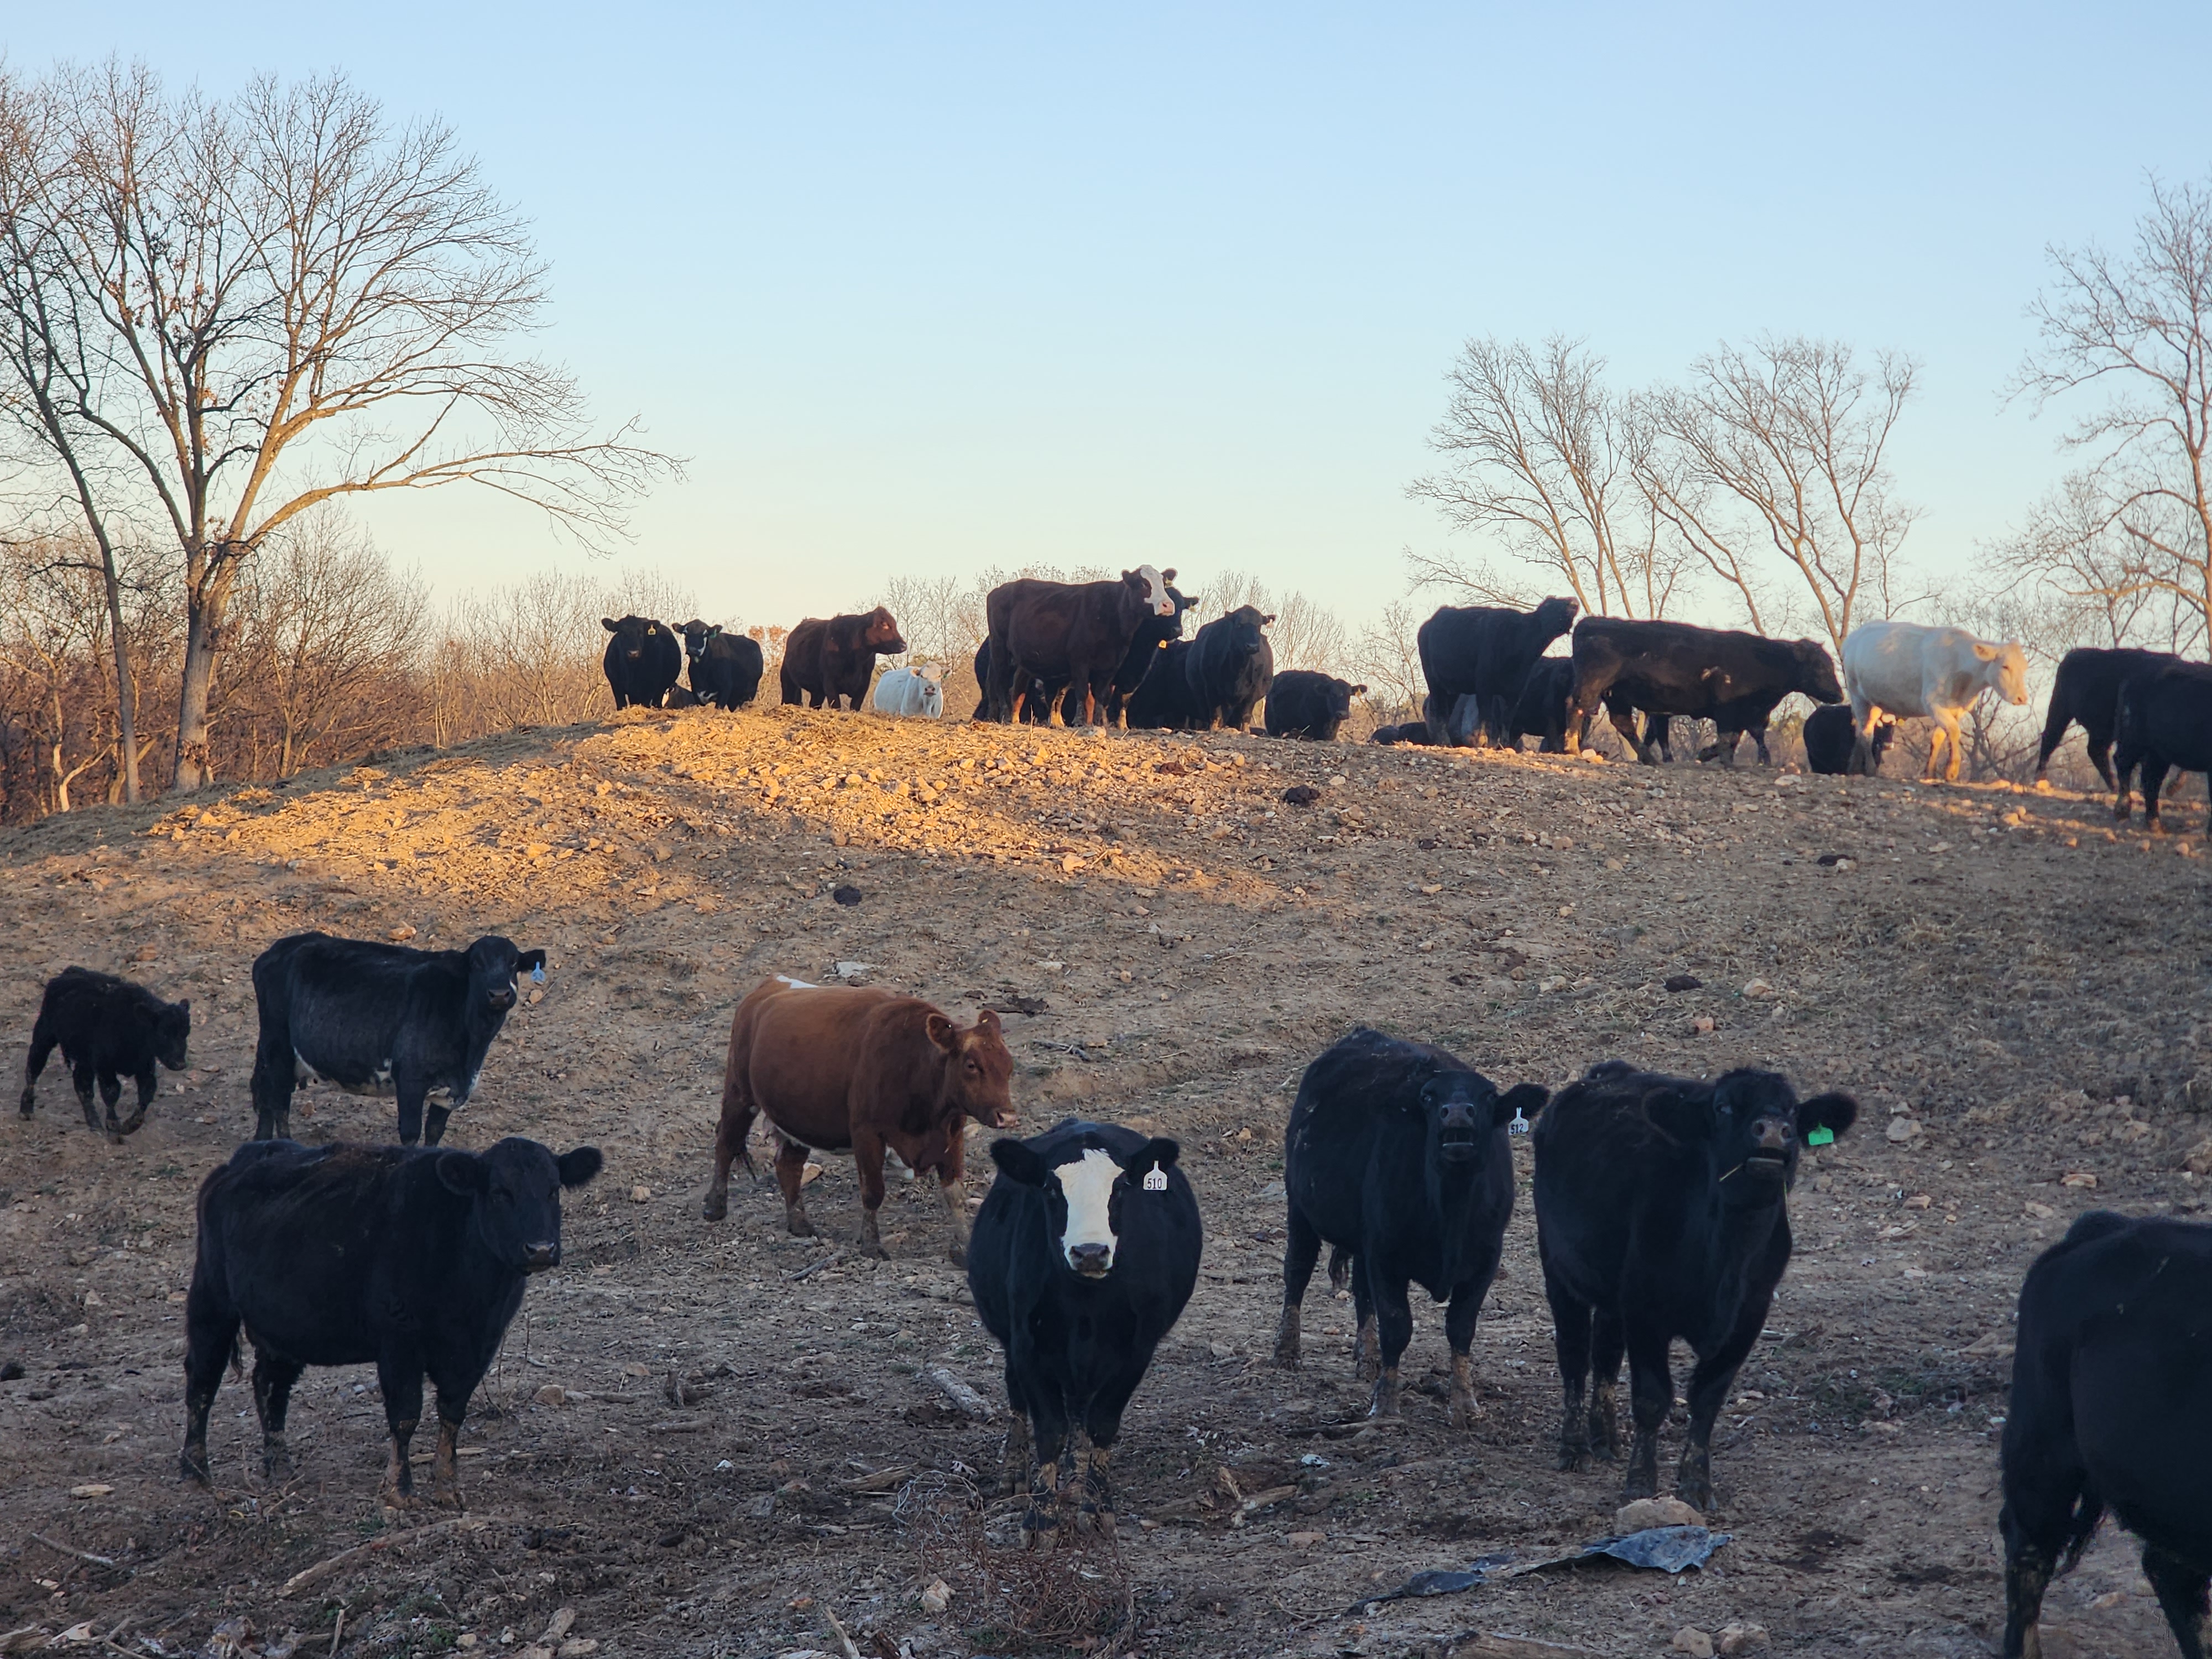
<point x="107" y="1028"/>
<point x="2111" y="1409"/>
<point x="726" y="667"/>
<point x="413" y="1258"/>
<point x="1662" y="1212"/>
<point x="378" y="1019"/>
<point x="1083" y="1256"/>
<point x="642" y="661"/>
<point x="1397" y="1153"/>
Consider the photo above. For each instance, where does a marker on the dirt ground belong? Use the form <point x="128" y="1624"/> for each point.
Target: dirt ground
<point x="699" y="1439"/>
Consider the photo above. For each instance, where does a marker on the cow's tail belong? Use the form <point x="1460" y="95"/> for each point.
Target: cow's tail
<point x="2081" y="1528"/>
<point x="1339" y="1266"/>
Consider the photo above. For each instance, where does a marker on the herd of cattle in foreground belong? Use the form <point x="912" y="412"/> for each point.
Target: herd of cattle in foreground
<point x="1114" y="652"/>
<point x="1660" y="1214"/>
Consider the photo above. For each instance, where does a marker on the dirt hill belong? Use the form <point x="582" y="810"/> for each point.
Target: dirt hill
<point x="704" y="1439"/>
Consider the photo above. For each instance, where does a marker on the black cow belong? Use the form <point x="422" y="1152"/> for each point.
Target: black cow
<point x="643" y="661"/>
<point x="1082" y="1258"/>
<point x="1661" y="1212"/>
<point x="726" y="668"/>
<point x="1484" y="651"/>
<point x="1397" y="1155"/>
<point x="107" y="1030"/>
<point x="2109" y="1412"/>
<point x="2086" y="689"/>
<point x="1164" y="701"/>
<point x="1146" y="658"/>
<point x="1230" y="667"/>
<point x="1665" y="668"/>
<point x="1304" y="704"/>
<point x="1541" y="710"/>
<point x="1405" y="732"/>
<point x="342" y="1254"/>
<point x="1830" y="737"/>
<point x="2165" y="725"/>
<point x="378" y="1019"/>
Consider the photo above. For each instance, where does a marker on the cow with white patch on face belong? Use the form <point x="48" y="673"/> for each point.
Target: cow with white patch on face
<point x="1083" y="1255"/>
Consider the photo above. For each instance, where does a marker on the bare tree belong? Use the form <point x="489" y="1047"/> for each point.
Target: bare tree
<point x="1779" y="453"/>
<point x="1304" y="634"/>
<point x="282" y="300"/>
<point x="1539" y="452"/>
<point x="1388" y="659"/>
<point x="2131" y="533"/>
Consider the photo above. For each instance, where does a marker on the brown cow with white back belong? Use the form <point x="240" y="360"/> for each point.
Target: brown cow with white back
<point x="834" y="1067"/>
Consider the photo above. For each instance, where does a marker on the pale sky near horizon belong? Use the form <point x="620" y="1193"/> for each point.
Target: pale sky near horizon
<point x="986" y="286"/>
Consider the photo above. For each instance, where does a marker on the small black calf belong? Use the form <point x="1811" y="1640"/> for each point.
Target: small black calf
<point x="107" y="1028"/>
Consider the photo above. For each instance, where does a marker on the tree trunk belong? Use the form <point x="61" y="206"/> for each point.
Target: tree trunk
<point x="126" y="691"/>
<point x="203" y="638"/>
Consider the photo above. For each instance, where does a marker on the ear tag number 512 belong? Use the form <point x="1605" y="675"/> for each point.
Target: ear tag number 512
<point x="1520" y="1124"/>
<point x="1156" y="1180"/>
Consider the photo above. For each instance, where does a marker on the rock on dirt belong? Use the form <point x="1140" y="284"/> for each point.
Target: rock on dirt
<point x="1739" y="1637"/>
<point x="1646" y="1512"/>
<point x="1694" y="1642"/>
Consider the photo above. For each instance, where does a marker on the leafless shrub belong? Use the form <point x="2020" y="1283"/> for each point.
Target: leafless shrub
<point x="1078" y="1593"/>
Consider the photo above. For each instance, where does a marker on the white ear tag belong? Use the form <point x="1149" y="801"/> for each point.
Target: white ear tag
<point x="1156" y="1180"/>
<point x="1520" y="1124"/>
<point x="537" y="974"/>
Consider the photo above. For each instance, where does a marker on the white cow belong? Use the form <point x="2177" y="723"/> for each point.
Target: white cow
<point x="1904" y="669"/>
<point x="917" y="691"/>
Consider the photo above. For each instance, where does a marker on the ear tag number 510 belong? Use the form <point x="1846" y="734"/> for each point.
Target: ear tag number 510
<point x="1156" y="1180"/>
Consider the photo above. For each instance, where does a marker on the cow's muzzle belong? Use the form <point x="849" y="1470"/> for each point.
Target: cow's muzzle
<point x="537" y="1258"/>
<point x="501" y="999"/>
<point x="1091" y="1261"/>
<point x="1772" y="1155"/>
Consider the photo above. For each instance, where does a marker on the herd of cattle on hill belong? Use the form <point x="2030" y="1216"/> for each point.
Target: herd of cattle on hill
<point x="1113" y="652"/>
<point x="1661" y="1202"/>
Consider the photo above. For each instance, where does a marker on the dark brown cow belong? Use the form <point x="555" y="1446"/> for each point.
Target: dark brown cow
<point x="837" y="658"/>
<point x="1071" y="633"/>
<point x="840" y="1067"/>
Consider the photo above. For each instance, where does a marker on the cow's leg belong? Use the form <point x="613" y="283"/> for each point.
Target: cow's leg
<point x="1607" y="1342"/>
<point x="1459" y="1334"/>
<point x="1299" y="1255"/>
<point x="951" y="1179"/>
<point x="1947" y="736"/>
<point x="1049" y="1425"/>
<point x="2055" y="720"/>
<point x="210" y="1342"/>
<point x="1624" y="721"/>
<point x="1366" y="1353"/>
<point x="276" y="1073"/>
<point x="111" y="1094"/>
<point x="1570" y="1341"/>
<point x="1394" y="1325"/>
<point x="731" y="1133"/>
<point x="1650" y="1394"/>
<point x="42" y="1048"/>
<point x="272" y="1397"/>
<point x="1020" y="1451"/>
<point x="1102" y="1427"/>
<point x="868" y="1160"/>
<point x="1707" y="1392"/>
<point x="2154" y="780"/>
<point x="148" y="1087"/>
<point x="1759" y="736"/>
<point x="1864" y="716"/>
<point x="1725" y="743"/>
<point x="2180" y="1586"/>
<point x="452" y="1412"/>
<point x="400" y="1376"/>
<point x="790" y="1172"/>
<point x="2100" y="750"/>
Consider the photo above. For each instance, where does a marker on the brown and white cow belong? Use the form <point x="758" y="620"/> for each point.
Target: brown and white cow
<point x="834" y="1068"/>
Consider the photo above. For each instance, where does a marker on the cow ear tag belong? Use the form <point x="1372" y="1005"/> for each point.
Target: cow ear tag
<point x="1520" y="1124"/>
<point x="1823" y="1136"/>
<point x="1156" y="1180"/>
<point x="537" y="974"/>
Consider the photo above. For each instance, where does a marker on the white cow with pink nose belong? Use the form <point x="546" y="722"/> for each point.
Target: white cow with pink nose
<point x="1910" y="671"/>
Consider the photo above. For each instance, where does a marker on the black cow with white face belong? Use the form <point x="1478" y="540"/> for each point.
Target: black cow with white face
<point x="1398" y="1155"/>
<point x="642" y="661"/>
<point x="726" y="667"/>
<point x="1082" y="1258"/>
<point x="1661" y="1212"/>
<point x="412" y="1258"/>
<point x="380" y="1020"/>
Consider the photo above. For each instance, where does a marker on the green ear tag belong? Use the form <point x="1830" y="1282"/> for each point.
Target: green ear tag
<point x="1823" y="1136"/>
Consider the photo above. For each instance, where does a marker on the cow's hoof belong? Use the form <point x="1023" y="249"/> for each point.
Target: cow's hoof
<point x="1465" y="1414"/>
<point x="1098" y="1521"/>
<point x="276" y="1463"/>
<point x="1286" y="1356"/>
<point x="798" y="1226"/>
<point x="1572" y="1462"/>
<point x="1639" y="1485"/>
<point x="193" y="1466"/>
<point x="957" y="1255"/>
<point x="714" y="1208"/>
<point x="874" y="1248"/>
<point x="448" y="1499"/>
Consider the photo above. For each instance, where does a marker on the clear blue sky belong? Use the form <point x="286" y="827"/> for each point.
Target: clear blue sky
<point x="938" y="288"/>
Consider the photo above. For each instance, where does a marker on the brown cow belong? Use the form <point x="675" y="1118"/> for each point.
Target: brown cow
<point x="836" y="658"/>
<point x="839" y="1066"/>
<point x="1075" y="633"/>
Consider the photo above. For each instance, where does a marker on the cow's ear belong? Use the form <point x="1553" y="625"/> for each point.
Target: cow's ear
<point x="942" y="1032"/>
<point x="183" y="1008"/>
<point x="1017" y="1162"/>
<point x="610" y="624"/>
<point x="1159" y="1151"/>
<point x="579" y="1166"/>
<point x="1168" y="575"/>
<point x="1681" y="1113"/>
<point x="1359" y="691"/>
<point x="1834" y="1113"/>
<point x="530" y="961"/>
<point x="1267" y="620"/>
<point x="987" y="1019"/>
<point x="463" y="1173"/>
<point x="1524" y="1100"/>
<point x="1987" y="652"/>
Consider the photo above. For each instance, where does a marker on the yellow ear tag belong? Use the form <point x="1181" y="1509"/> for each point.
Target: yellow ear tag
<point x="1156" y="1180"/>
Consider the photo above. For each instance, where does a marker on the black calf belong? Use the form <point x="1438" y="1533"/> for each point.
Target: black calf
<point x="107" y="1030"/>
